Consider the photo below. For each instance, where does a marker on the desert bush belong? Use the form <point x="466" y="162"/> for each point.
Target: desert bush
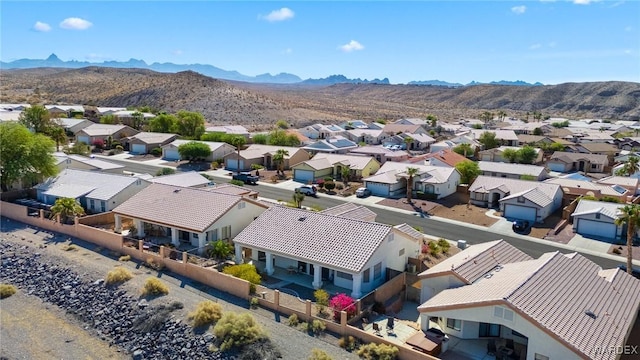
<point x="329" y="185"/>
<point x="348" y="343"/>
<point x="70" y="247"/>
<point x="246" y="272"/>
<point x="236" y="330"/>
<point x="339" y="187"/>
<point x="215" y="165"/>
<point x="322" y="300"/>
<point x="293" y="320"/>
<point x="317" y="354"/>
<point x="153" y="264"/>
<point x="434" y="249"/>
<point x="616" y="251"/>
<point x="154" y="286"/>
<point x="7" y="290"/>
<point x="342" y="302"/>
<point x="207" y="312"/>
<point x="111" y="152"/>
<point x="165" y="171"/>
<point x="303" y="326"/>
<point x="254" y="302"/>
<point x="118" y="275"/>
<point x="373" y="351"/>
<point x="124" y="258"/>
<point x="317" y="327"/>
<point x="119" y="149"/>
<point x="156" y="151"/>
<point x="444" y="245"/>
<point x="236" y="182"/>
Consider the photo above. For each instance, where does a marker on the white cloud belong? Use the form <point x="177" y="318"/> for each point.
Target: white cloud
<point x="352" y="46"/>
<point x="583" y="2"/>
<point x="280" y="15"/>
<point x="41" y="27"/>
<point x="519" y="9"/>
<point x="535" y="46"/>
<point x="177" y="52"/>
<point x="74" y="23"/>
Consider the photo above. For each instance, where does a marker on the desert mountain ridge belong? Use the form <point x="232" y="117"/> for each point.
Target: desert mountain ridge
<point x="209" y="70"/>
<point x="259" y="105"/>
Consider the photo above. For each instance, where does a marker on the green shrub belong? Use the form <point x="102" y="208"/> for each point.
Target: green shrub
<point x="293" y="320"/>
<point x="118" y="275"/>
<point x="444" y="245"/>
<point x="156" y="151"/>
<point x="246" y="272"/>
<point x="339" y="187"/>
<point x="124" y="258"/>
<point x="348" y="343"/>
<point x="322" y="300"/>
<point x="317" y="327"/>
<point x="373" y="351"/>
<point x="154" y="286"/>
<point x="206" y="313"/>
<point x="237" y="182"/>
<point x="434" y="249"/>
<point x="317" y="354"/>
<point x="119" y="149"/>
<point x="7" y="290"/>
<point x="215" y="165"/>
<point x="165" y="171"/>
<point x="329" y="185"/>
<point x="254" y="302"/>
<point x="236" y="330"/>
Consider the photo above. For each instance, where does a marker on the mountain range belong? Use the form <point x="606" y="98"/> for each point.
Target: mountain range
<point x="54" y="61"/>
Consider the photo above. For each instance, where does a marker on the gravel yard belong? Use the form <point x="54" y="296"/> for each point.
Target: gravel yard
<point x="93" y="263"/>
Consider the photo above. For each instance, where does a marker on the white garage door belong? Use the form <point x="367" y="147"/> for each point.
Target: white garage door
<point x="377" y="189"/>
<point x="303" y="176"/>
<point x="171" y="154"/>
<point x="556" y="167"/>
<point x="232" y="164"/>
<point x="138" y="148"/>
<point x="84" y="139"/>
<point x="596" y="228"/>
<point x="519" y="212"/>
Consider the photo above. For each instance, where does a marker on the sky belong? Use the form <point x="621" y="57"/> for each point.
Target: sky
<point x="456" y="41"/>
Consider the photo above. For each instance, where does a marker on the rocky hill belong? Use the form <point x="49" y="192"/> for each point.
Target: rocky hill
<point x="261" y="104"/>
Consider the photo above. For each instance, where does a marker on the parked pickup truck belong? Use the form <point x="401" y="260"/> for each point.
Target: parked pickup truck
<point x="246" y="178"/>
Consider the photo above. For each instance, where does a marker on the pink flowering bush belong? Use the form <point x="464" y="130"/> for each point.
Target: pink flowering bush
<point x="342" y="302"/>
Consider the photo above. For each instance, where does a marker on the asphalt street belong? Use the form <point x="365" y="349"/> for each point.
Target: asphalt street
<point x="429" y="226"/>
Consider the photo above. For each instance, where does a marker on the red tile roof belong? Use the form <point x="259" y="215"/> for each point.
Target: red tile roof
<point x="447" y="156"/>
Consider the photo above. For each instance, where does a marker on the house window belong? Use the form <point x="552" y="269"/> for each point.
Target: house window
<point x="508" y="315"/>
<point x="520" y="199"/>
<point x="342" y="275"/>
<point x="241" y="205"/>
<point x="498" y="311"/>
<point x="262" y="256"/>
<point x="92" y="204"/>
<point x="503" y="313"/>
<point x="103" y="205"/>
<point x="454" y="324"/>
<point x="597" y="216"/>
<point x="214" y="235"/>
<point x="377" y="271"/>
<point x="226" y="232"/>
<point x="401" y="252"/>
<point x="540" y="357"/>
<point x="138" y="182"/>
<point x="366" y="275"/>
<point x="594" y="166"/>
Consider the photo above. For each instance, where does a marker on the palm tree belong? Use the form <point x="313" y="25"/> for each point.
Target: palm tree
<point x="238" y="142"/>
<point x="58" y="135"/>
<point x="411" y="172"/>
<point x="629" y="215"/>
<point x="278" y="158"/>
<point x="65" y="208"/>
<point x="502" y="114"/>
<point x="408" y="140"/>
<point x="345" y="172"/>
<point x="632" y="166"/>
<point x="298" y="197"/>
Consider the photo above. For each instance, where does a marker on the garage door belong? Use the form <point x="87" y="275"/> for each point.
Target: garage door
<point x="555" y="167"/>
<point x="171" y="154"/>
<point x="303" y="176"/>
<point x="232" y="164"/>
<point x="138" y="149"/>
<point x="519" y="212"/>
<point x="596" y="228"/>
<point x="84" y="139"/>
<point x="377" y="189"/>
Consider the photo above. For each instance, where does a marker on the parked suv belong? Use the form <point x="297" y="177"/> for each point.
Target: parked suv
<point x="307" y="190"/>
<point x="363" y="192"/>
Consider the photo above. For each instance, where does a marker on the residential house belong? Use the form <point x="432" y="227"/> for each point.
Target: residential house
<point x="446" y="157"/>
<point x="596" y="219"/>
<point x="516" y="199"/>
<point x="452" y="128"/>
<point x="218" y="150"/>
<point x="349" y="253"/>
<point x="182" y="214"/>
<point x="14" y="107"/>
<point x="190" y="179"/>
<point x="630" y="183"/>
<point x="536" y="139"/>
<point x="367" y="136"/>
<point x="495" y="155"/>
<point x="351" y="211"/>
<point x="412" y="121"/>
<point x="455" y="141"/>
<point x="96" y="192"/>
<point x="79" y="162"/>
<point x="628" y="143"/>
<point x="527" y="128"/>
<point x="70" y="111"/>
<point x="9" y="115"/>
<point x="562" y="161"/>
<point x="304" y="141"/>
<point x="238" y="130"/>
<point x="332" y="145"/>
<point x="71" y="125"/>
<point x="263" y="155"/>
<point x="392" y="129"/>
<point x="226" y="188"/>
<point x="331" y="165"/>
<point x="505" y="137"/>
<point x="144" y="142"/>
<point x="495" y="293"/>
<point x="381" y="154"/>
<point x="102" y="132"/>
<point x="354" y="124"/>
<point x="391" y="180"/>
<point x="574" y="188"/>
<point x="320" y="131"/>
<point x="580" y="135"/>
<point x="413" y="142"/>
<point x="512" y="171"/>
<point x="128" y="117"/>
<point x="102" y="111"/>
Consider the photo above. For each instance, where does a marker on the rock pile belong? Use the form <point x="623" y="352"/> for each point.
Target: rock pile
<point x="146" y="332"/>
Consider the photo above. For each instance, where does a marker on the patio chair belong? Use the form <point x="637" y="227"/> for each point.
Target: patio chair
<point x="390" y="325"/>
<point x="376" y="329"/>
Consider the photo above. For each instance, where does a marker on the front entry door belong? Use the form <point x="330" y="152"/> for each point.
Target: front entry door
<point x="489" y="330"/>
